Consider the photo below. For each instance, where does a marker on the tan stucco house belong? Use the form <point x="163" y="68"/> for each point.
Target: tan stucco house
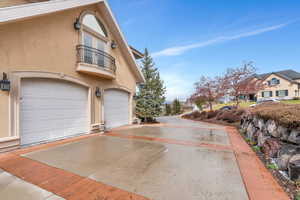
<point x="281" y="85"/>
<point x="67" y="70"/>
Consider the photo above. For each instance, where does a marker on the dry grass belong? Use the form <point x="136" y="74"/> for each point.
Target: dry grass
<point x="246" y="104"/>
<point x="287" y="115"/>
<point x="243" y="104"/>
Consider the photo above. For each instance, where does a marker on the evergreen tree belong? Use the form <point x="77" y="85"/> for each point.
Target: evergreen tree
<point x="168" y="109"/>
<point x="151" y="95"/>
<point x="176" y="107"/>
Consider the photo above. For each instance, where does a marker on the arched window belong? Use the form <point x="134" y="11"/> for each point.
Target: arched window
<point x="95" y="41"/>
<point x="93" y="23"/>
<point x="275" y="81"/>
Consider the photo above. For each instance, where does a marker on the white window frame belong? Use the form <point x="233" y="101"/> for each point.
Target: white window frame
<point x="268" y="94"/>
<point x="281" y="93"/>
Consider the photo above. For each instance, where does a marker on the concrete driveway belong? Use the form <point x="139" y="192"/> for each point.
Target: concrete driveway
<point x="177" y="159"/>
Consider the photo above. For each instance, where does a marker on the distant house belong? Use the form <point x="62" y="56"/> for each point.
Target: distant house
<point x="281" y="85"/>
<point x="188" y="106"/>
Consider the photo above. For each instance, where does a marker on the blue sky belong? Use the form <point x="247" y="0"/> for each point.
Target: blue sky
<point x="190" y="38"/>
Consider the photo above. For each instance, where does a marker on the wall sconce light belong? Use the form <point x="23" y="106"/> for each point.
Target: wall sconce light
<point x="77" y="24"/>
<point x="114" y="45"/>
<point x="98" y="92"/>
<point x="5" y="83"/>
<point x="141" y="85"/>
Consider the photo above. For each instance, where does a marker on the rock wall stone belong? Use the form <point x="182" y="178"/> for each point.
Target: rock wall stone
<point x="276" y="141"/>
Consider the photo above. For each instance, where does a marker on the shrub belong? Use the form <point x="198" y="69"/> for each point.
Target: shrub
<point x="203" y="115"/>
<point x="298" y="195"/>
<point x="230" y="117"/>
<point x="192" y="115"/>
<point x="220" y="115"/>
<point x="212" y="114"/>
<point x="256" y="148"/>
<point x="272" y="166"/>
<point x="239" y="112"/>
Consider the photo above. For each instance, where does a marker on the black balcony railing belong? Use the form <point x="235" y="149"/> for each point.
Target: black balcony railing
<point x="97" y="57"/>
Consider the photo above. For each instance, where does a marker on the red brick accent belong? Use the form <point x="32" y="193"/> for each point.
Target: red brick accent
<point x="62" y="183"/>
<point x="259" y="182"/>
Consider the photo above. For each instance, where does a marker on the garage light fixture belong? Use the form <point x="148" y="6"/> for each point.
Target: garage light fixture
<point x="135" y="97"/>
<point x="5" y="83"/>
<point x="114" y="45"/>
<point x="98" y="92"/>
<point x="77" y="24"/>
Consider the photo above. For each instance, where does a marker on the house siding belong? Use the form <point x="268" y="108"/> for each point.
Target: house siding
<point x="284" y="85"/>
<point x="48" y="44"/>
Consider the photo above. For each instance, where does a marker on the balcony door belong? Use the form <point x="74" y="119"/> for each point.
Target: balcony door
<point x="95" y="51"/>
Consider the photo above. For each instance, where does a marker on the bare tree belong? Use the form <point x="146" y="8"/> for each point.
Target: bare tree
<point x="241" y="80"/>
<point x="209" y="89"/>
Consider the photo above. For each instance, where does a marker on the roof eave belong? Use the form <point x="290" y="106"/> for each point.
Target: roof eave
<point x="25" y="11"/>
<point x="137" y="54"/>
<point x="125" y="46"/>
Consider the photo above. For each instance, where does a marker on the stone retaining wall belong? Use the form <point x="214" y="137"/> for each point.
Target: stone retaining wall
<point x="280" y="143"/>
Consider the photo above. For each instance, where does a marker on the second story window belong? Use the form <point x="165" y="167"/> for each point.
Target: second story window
<point x="92" y="23"/>
<point x="94" y="43"/>
<point x="95" y="49"/>
<point x="274" y="81"/>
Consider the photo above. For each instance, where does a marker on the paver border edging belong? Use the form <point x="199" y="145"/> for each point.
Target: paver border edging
<point x="259" y="182"/>
<point x="61" y="182"/>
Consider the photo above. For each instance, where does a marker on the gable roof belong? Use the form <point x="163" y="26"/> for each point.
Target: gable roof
<point x="26" y="11"/>
<point x="137" y="54"/>
<point x="289" y="75"/>
<point x="13" y="13"/>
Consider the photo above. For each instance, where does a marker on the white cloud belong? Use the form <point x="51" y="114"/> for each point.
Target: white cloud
<point x="178" y="50"/>
<point x="177" y="86"/>
<point x="128" y="22"/>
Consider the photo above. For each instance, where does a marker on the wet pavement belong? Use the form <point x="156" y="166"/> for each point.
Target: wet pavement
<point x="177" y="121"/>
<point x="193" y="134"/>
<point x="153" y="169"/>
<point x="13" y="188"/>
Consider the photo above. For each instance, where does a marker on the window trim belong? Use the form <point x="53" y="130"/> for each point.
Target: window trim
<point x="94" y="33"/>
<point x="264" y="92"/>
<point x="286" y="93"/>
<point x="91" y="31"/>
<point x="274" y="81"/>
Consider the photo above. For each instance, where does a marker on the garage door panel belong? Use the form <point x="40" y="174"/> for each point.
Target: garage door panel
<point x="52" y="109"/>
<point x="116" y="108"/>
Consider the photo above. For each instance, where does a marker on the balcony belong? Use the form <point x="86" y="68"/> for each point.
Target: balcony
<point x="95" y="62"/>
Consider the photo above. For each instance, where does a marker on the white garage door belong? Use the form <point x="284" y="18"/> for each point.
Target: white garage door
<point x="116" y="108"/>
<point x="52" y="109"/>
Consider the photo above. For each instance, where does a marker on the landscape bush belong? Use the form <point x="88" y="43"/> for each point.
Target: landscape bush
<point x="227" y="116"/>
<point x="212" y="114"/>
<point x="193" y="115"/>
<point x="230" y="117"/>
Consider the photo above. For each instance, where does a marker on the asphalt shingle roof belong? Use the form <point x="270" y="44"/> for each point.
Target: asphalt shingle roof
<point x="287" y="74"/>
